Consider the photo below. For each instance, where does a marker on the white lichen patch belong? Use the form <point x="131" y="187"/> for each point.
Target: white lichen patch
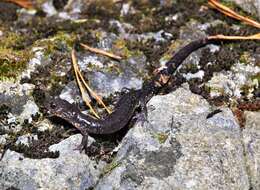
<point x="35" y="61"/>
<point x="90" y="60"/>
<point x="231" y="82"/>
<point x="26" y="139"/>
<point x="199" y="74"/>
<point x="30" y="109"/>
<point x="48" y="8"/>
<point x="9" y="88"/>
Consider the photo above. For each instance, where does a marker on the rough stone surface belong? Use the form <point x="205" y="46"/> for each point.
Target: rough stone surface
<point x="180" y="149"/>
<point x="231" y="82"/>
<point x="71" y="170"/>
<point x="251" y="6"/>
<point x="251" y="139"/>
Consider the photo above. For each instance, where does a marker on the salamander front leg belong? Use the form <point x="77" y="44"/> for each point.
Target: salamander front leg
<point x="84" y="143"/>
<point x="143" y="115"/>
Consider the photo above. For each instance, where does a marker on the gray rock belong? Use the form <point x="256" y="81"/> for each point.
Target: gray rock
<point x="180" y="149"/>
<point x="251" y="139"/>
<point x="230" y="83"/>
<point x="38" y="59"/>
<point x="106" y="76"/>
<point x="106" y="84"/>
<point x="16" y="97"/>
<point x="71" y="93"/>
<point x="30" y="109"/>
<point x="3" y="138"/>
<point x="72" y="170"/>
<point x="251" y="6"/>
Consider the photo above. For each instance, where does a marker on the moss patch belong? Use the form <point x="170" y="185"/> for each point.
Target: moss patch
<point x="110" y="167"/>
<point x="161" y="137"/>
<point x="12" y="63"/>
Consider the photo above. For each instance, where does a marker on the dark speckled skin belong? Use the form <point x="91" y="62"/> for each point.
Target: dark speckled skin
<point x="127" y="105"/>
<point x="124" y="111"/>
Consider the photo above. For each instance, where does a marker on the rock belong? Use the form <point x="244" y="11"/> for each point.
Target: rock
<point x="106" y="84"/>
<point x="180" y="149"/>
<point x="38" y="59"/>
<point x="107" y="76"/>
<point x="30" y="109"/>
<point x="18" y="105"/>
<point x="3" y="138"/>
<point x="252" y="6"/>
<point x="231" y="82"/>
<point x="251" y="139"/>
<point x="72" y="170"/>
<point x="71" y="93"/>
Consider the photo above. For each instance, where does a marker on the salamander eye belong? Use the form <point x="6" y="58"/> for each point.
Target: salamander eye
<point x="53" y="105"/>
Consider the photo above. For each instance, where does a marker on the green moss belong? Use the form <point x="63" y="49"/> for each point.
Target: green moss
<point x="110" y="167"/>
<point x="246" y="89"/>
<point x="12" y="63"/>
<point x="161" y="137"/>
<point x="11" y="40"/>
<point x="121" y="46"/>
<point x="12" y="59"/>
<point x="215" y="89"/>
<point x="229" y="4"/>
<point x="256" y="77"/>
<point x="62" y="41"/>
<point x="244" y="58"/>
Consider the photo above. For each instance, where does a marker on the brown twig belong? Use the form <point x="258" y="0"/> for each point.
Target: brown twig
<point x="82" y="90"/>
<point x="22" y="3"/>
<point x="101" y="52"/>
<point x="227" y="11"/>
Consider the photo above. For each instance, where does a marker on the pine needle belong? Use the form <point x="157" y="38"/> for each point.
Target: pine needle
<point x="22" y="3"/>
<point x="82" y="90"/>
<point x="223" y="37"/>
<point x="101" y="52"/>
<point x="99" y="100"/>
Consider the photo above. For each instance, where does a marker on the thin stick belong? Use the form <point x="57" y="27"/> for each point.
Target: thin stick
<point x="74" y="63"/>
<point x="227" y="11"/>
<point x="102" y="52"/>
<point x="220" y="36"/>
<point x="93" y="93"/>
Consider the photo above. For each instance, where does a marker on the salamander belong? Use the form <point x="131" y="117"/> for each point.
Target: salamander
<point x="126" y="107"/>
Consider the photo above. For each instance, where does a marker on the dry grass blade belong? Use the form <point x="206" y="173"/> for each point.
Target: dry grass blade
<point x="223" y="37"/>
<point x="22" y="3"/>
<point x="227" y="11"/>
<point x="76" y="70"/>
<point x="101" y="52"/>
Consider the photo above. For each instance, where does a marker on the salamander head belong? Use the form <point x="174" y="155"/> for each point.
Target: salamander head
<point x="57" y="107"/>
